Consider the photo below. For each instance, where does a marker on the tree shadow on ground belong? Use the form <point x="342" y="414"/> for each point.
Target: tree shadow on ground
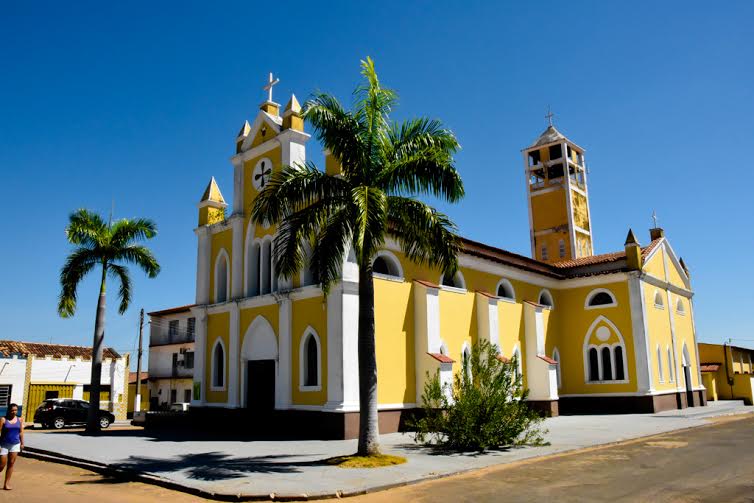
<point x="438" y="450"/>
<point x="214" y="466"/>
<point x="160" y="435"/>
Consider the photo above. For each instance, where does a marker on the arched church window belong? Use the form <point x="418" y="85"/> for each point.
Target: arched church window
<point x="607" y="365"/>
<point x="660" y="373"/>
<point x="600" y="298"/>
<point x="594" y="365"/>
<point x="454" y="281"/>
<point x="310" y="368"/>
<point x="659" y="302"/>
<point x="265" y="283"/>
<point x="218" y="365"/>
<point x="670" y="364"/>
<point x="679" y="307"/>
<point x="466" y="360"/>
<point x="254" y="270"/>
<point x="307" y="276"/>
<point x="505" y="290"/>
<point x="222" y="279"/>
<point x="386" y="264"/>
<point x="545" y="299"/>
<point x="620" y="372"/>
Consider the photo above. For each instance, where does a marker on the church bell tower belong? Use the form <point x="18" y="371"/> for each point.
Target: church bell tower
<point x="558" y="196"/>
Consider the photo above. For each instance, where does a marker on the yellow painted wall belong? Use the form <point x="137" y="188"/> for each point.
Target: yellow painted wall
<point x="684" y="334"/>
<point x="572" y="325"/>
<point x="132" y="396"/>
<point x="275" y="156"/>
<point x="309" y="312"/>
<point x="655" y="266"/>
<point x="549" y="210"/>
<point x="220" y="240"/>
<point x="394" y="339"/>
<point x="218" y="326"/>
<point x="658" y="332"/>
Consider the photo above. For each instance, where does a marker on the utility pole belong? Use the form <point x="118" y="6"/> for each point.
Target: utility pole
<point x="137" y="399"/>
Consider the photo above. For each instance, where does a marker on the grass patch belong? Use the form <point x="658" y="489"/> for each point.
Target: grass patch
<point x="374" y="461"/>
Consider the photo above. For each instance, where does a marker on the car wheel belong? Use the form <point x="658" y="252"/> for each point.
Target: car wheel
<point x="104" y="422"/>
<point x="58" y="423"/>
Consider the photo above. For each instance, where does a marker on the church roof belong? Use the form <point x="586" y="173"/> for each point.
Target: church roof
<point x="42" y="350"/>
<point x="212" y="192"/>
<point x="584" y="266"/>
<point x="550" y="135"/>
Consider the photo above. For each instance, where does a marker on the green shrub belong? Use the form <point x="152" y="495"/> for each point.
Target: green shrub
<point x="486" y="407"/>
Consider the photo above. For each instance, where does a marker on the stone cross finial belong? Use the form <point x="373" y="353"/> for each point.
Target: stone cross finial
<point x="268" y="87"/>
<point x="549" y="115"/>
<point x="654" y="218"/>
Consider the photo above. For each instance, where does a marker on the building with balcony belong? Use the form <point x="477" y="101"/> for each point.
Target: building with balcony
<point x="171" y="356"/>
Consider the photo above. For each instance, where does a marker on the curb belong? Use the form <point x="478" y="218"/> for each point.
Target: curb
<point x="131" y="475"/>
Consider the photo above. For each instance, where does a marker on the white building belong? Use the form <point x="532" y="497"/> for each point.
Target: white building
<point x="32" y="372"/>
<point x="171" y="356"/>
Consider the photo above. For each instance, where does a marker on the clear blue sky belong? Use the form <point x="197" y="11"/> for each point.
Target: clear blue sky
<point x="141" y="104"/>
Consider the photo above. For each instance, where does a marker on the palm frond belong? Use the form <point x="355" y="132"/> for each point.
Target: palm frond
<point x="331" y="247"/>
<point x="125" y="231"/>
<point x="124" y="292"/>
<point x="140" y="256"/>
<point x="76" y="267"/>
<point x="86" y="228"/>
<point x="294" y="188"/>
<point x="337" y="129"/>
<point x="425" y="235"/>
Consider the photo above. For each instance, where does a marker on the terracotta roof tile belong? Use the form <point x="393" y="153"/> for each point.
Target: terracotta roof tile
<point x="603" y="258"/>
<point x="441" y="358"/>
<point x="427" y="283"/>
<point x="41" y="350"/>
<point x="547" y="359"/>
<point x="132" y="377"/>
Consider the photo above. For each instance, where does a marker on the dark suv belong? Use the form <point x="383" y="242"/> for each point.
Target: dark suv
<point x="59" y="412"/>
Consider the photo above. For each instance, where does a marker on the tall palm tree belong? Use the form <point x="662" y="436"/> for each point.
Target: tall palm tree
<point x="110" y="245"/>
<point x="384" y="165"/>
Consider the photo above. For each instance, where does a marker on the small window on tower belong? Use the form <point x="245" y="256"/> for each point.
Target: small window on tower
<point x="561" y="248"/>
<point x="555" y="171"/>
<point x="556" y="152"/>
<point x="545" y="255"/>
<point x="534" y="158"/>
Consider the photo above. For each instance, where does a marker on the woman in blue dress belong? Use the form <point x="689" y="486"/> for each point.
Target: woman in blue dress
<point x="11" y="442"/>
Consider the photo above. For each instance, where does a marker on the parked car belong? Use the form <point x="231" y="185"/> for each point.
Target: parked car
<point x="179" y="407"/>
<point x="59" y="412"/>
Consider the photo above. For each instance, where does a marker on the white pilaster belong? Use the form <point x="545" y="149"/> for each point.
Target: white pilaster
<point x="202" y="265"/>
<point x="640" y="333"/>
<point x="293" y="145"/>
<point x="541" y="376"/>
<point x="200" y="344"/>
<point x="285" y="370"/>
<point x="342" y="347"/>
<point x="236" y="270"/>
<point x="233" y="355"/>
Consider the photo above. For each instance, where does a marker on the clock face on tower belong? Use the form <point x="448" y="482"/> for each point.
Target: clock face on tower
<point x="261" y="174"/>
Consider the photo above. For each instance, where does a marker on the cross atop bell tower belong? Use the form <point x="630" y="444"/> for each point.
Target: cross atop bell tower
<point x="270" y="106"/>
<point x="559" y="217"/>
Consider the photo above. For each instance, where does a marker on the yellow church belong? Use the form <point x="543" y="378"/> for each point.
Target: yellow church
<point x="591" y="333"/>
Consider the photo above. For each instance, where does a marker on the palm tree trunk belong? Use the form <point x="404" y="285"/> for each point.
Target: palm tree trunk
<point x="369" y="440"/>
<point x="92" y="423"/>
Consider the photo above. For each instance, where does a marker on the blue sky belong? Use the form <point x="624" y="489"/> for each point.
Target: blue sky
<point x="140" y="105"/>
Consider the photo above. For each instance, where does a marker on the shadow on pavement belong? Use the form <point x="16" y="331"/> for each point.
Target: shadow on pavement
<point x="213" y="466"/>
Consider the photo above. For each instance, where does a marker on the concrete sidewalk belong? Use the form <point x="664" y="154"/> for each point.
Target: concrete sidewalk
<point x="293" y="469"/>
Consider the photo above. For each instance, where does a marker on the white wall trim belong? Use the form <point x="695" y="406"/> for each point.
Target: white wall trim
<point x="587" y="346"/>
<point x="508" y="285"/>
<point x="548" y="296"/>
<point x="393" y="260"/>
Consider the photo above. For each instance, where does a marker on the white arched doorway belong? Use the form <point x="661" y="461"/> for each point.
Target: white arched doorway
<point x="259" y="367"/>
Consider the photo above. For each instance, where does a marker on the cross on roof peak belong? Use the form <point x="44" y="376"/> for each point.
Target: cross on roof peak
<point x="549" y="116"/>
<point x="268" y="87"/>
<point x="654" y="218"/>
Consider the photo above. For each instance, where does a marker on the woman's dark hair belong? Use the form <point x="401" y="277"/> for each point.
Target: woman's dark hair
<point x="7" y="411"/>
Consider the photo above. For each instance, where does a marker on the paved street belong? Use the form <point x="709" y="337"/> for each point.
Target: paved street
<point x="713" y="463"/>
<point x="233" y="465"/>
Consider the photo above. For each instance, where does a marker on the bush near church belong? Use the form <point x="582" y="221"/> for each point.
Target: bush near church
<point x="486" y="407"/>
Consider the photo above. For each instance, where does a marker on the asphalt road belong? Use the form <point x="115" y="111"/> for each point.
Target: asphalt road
<point x="711" y="463"/>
